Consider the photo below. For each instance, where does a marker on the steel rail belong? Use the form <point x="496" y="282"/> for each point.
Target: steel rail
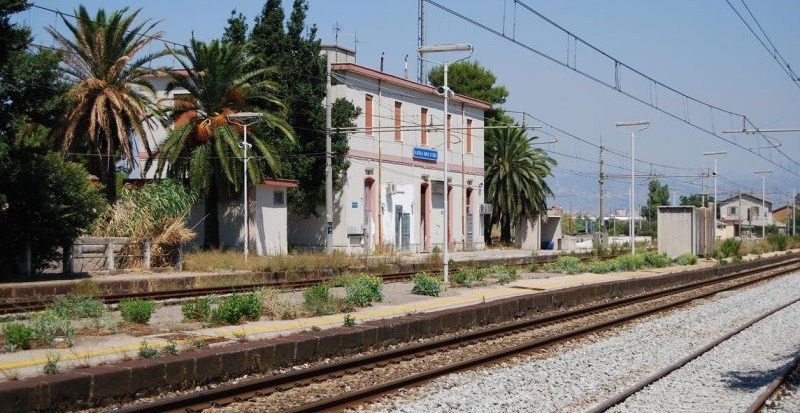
<point x="773" y="386"/>
<point x="266" y="385"/>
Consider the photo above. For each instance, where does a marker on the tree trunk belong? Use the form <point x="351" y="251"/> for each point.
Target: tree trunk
<point x="211" y="222"/>
<point x="109" y="174"/>
<point x="505" y="229"/>
<point x="487" y="229"/>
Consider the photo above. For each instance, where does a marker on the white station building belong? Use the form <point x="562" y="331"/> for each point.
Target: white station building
<point x="393" y="194"/>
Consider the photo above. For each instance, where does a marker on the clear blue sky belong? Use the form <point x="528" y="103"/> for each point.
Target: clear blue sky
<point x="697" y="47"/>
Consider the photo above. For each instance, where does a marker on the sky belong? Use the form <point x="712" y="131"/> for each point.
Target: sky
<point x="699" y="48"/>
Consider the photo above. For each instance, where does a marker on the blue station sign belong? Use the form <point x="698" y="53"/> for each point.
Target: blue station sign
<point x="425" y="154"/>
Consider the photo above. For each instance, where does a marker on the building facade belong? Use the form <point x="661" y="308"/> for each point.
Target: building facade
<point x="745" y="212"/>
<point x="394" y="191"/>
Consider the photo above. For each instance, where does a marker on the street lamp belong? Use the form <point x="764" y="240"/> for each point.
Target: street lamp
<point x="245" y="119"/>
<point x="445" y="91"/>
<point x="645" y="124"/>
<point x="715" y="154"/>
<point x="763" y="174"/>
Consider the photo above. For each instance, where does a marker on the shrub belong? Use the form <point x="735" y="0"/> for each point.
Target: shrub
<point x="17" y="335"/>
<point x="49" y="325"/>
<point x="686" y="259"/>
<point x="318" y="300"/>
<point x="51" y="367"/>
<point x="425" y="284"/>
<point x="778" y="242"/>
<point x="468" y="276"/>
<point x="506" y="274"/>
<point x="349" y="321"/>
<point x="198" y="309"/>
<point x="237" y="307"/>
<point x="598" y="266"/>
<point x="145" y="351"/>
<point x="75" y="306"/>
<point x="656" y="260"/>
<point x="136" y="310"/>
<point x="569" y="265"/>
<point x="728" y="248"/>
<point x="364" y="290"/>
<point x="630" y="262"/>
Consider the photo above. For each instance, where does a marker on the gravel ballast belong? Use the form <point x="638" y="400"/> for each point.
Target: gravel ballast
<point x="575" y="376"/>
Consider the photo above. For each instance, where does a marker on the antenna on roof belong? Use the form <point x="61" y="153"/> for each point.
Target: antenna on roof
<point x="382" y="61"/>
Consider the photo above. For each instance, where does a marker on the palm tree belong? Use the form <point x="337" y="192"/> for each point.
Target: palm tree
<point x="109" y="91"/>
<point x="206" y="148"/>
<point x="515" y="177"/>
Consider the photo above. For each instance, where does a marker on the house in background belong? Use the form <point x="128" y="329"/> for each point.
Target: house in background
<point x="783" y="217"/>
<point x="394" y="192"/>
<point x="746" y="214"/>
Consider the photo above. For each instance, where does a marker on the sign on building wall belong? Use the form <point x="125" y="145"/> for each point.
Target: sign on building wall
<point x="425" y="154"/>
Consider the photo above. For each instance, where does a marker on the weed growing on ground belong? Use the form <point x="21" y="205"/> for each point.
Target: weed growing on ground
<point x="426" y="284"/>
<point x="655" y="260"/>
<point x="349" y="321"/>
<point x="74" y="306"/>
<point x="137" y="310"/>
<point x="566" y="264"/>
<point x="145" y="351"/>
<point x="199" y="344"/>
<point x="686" y="259"/>
<point x="364" y="290"/>
<point x="48" y="326"/>
<point x="318" y="300"/>
<point x="236" y="307"/>
<point x="467" y="277"/>
<point x="729" y="248"/>
<point x="276" y="305"/>
<point x="778" y="242"/>
<point x="506" y="274"/>
<point x="51" y="367"/>
<point x="197" y="309"/>
<point x="18" y="336"/>
<point x="171" y="349"/>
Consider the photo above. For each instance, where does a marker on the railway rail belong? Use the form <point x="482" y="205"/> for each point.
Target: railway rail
<point x="464" y="351"/>
<point x="40" y="303"/>
<point x="774" y="387"/>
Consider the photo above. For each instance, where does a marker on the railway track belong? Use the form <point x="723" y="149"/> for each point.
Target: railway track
<point x="40" y="303"/>
<point x="385" y="371"/>
<point x="774" y="388"/>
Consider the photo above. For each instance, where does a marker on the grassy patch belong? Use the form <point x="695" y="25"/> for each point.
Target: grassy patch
<point x="686" y="259"/>
<point x="235" y="308"/>
<point x="467" y="277"/>
<point x="426" y="284"/>
<point x="74" y="306"/>
<point x="137" y="310"/>
<point x="17" y="336"/>
<point x="364" y="290"/>
<point x="318" y="300"/>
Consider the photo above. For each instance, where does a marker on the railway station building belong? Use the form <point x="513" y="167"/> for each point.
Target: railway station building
<point x="394" y="190"/>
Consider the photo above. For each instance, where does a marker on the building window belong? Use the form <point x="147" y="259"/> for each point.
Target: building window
<point x="398" y="120"/>
<point x="278" y="198"/>
<point x="423" y="120"/>
<point x="449" y="131"/>
<point x="368" y="115"/>
<point x="469" y="135"/>
<point x="732" y="210"/>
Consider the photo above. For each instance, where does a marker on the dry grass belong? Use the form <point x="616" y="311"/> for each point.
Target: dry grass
<point x="278" y="306"/>
<point x="233" y="260"/>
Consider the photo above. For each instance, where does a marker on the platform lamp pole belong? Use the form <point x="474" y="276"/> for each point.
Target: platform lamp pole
<point x="645" y="124"/>
<point x="715" y="155"/>
<point x="245" y="119"/>
<point x="445" y="91"/>
<point x="763" y="174"/>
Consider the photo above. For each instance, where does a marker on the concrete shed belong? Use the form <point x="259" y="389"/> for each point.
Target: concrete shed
<point x="685" y="229"/>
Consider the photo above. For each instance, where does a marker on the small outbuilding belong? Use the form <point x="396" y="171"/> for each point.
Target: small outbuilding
<point x="686" y="229"/>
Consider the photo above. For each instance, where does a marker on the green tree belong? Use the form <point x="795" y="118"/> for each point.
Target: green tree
<point x="697" y="200"/>
<point x="657" y="196"/>
<point x="110" y="87"/>
<point x="469" y="78"/>
<point x="49" y="203"/>
<point x="206" y="149"/>
<point x="295" y="51"/>
<point x="236" y="30"/>
<point x="515" y="177"/>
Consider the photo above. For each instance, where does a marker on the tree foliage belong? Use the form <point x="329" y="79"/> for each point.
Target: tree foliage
<point x="294" y="50"/>
<point x="697" y="200"/>
<point x="236" y="30"/>
<point x="206" y="148"/>
<point x="657" y="195"/>
<point x="49" y="202"/>
<point x="102" y="58"/>
<point x="515" y="177"/>
<point x="470" y="78"/>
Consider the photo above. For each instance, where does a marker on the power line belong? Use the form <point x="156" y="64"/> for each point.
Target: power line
<point x="771" y="49"/>
<point x="619" y="70"/>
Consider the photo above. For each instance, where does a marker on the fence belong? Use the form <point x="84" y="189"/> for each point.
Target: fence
<point x="112" y="253"/>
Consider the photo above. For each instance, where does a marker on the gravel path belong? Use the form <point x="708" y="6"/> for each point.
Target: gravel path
<point x="572" y="377"/>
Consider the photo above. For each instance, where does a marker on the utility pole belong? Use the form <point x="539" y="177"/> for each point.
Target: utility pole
<point x="602" y="223"/>
<point x="328" y="165"/>
<point x="421" y="41"/>
<point x="794" y="211"/>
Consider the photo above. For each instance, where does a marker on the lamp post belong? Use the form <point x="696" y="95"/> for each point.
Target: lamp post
<point x="763" y="174"/>
<point x="645" y="124"/>
<point x="245" y="119"/>
<point x="715" y="155"/>
<point x="445" y="91"/>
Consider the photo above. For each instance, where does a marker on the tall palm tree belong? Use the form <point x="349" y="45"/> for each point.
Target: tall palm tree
<point x="206" y="148"/>
<point x="515" y="177"/>
<point x="110" y="87"/>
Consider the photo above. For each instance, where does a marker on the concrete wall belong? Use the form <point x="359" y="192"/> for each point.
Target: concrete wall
<point x="529" y="234"/>
<point x="685" y="229"/>
<point x="268" y="228"/>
